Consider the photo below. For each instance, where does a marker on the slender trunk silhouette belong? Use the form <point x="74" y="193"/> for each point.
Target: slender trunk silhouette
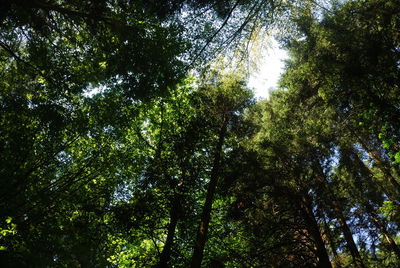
<point x="340" y="217"/>
<point x="206" y="213"/>
<point x="312" y="226"/>
<point x="331" y="242"/>
<point x="381" y="226"/>
<point x="379" y="163"/>
<point x="176" y="208"/>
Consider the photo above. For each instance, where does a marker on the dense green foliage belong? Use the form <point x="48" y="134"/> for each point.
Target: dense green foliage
<point x="122" y="147"/>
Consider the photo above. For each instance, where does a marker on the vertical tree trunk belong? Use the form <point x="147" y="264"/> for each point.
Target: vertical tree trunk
<point x="312" y="226"/>
<point x="206" y="213"/>
<point x="385" y="171"/>
<point x="379" y="224"/>
<point x="165" y="255"/>
<point x="341" y="219"/>
<point x="331" y="242"/>
<point x="379" y="163"/>
<point x="370" y="209"/>
<point x="175" y="215"/>
<point x="388" y="194"/>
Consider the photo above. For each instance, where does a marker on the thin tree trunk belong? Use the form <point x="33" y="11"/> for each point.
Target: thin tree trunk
<point x="175" y="215"/>
<point x="165" y="255"/>
<point x="206" y="213"/>
<point x="331" y="242"/>
<point x="385" y="171"/>
<point x="376" y="181"/>
<point x="312" y="226"/>
<point x="372" y="212"/>
<point x="379" y="224"/>
<point x="379" y="163"/>
<point x="341" y="219"/>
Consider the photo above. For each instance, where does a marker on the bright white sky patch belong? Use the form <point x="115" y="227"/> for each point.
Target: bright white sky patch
<point x="262" y="81"/>
<point x="270" y="69"/>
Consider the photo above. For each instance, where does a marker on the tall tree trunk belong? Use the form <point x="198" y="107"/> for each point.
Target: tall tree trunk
<point x="175" y="215"/>
<point x="206" y="213"/>
<point x="341" y="219"/>
<point x="312" y="226"/>
<point x="379" y="224"/>
<point x="331" y="242"/>
<point x="370" y="175"/>
<point x="379" y="163"/>
<point x="165" y="255"/>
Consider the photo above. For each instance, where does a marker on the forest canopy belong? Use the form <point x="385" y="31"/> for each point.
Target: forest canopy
<point x="130" y="138"/>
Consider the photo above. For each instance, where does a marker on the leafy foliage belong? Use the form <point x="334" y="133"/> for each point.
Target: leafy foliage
<point x="114" y="154"/>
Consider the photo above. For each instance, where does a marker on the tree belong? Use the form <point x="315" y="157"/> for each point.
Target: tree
<point x="223" y="97"/>
<point x="58" y="143"/>
<point x="112" y="155"/>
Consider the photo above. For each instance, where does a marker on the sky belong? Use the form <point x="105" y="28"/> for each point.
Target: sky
<point x="266" y="79"/>
<point x="271" y="67"/>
